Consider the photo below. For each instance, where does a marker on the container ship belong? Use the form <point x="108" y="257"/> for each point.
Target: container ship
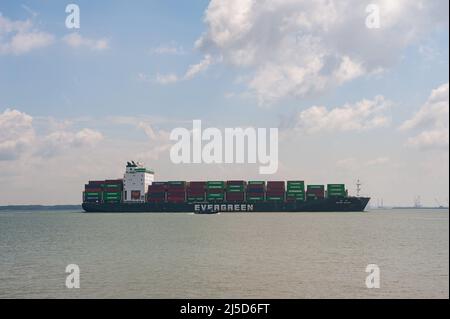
<point x="138" y="191"/>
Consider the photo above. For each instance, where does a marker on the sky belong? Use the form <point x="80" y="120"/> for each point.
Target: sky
<point x="350" y="101"/>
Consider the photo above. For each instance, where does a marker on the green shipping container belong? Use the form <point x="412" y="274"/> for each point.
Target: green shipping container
<point x="295" y="191"/>
<point x="295" y="196"/>
<point x="296" y="184"/>
<point x="316" y="187"/>
<point x="336" y="186"/>
<point x="215" y="195"/>
<point x="92" y="194"/>
<point x="299" y="187"/>
<point x="214" y="187"/>
<point x="112" y="194"/>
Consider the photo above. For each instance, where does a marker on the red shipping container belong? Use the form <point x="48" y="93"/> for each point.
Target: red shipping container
<point x="197" y="184"/>
<point x="92" y="190"/>
<point x="235" y="196"/>
<point x="316" y="192"/>
<point x="276" y="183"/>
<point x="193" y="194"/>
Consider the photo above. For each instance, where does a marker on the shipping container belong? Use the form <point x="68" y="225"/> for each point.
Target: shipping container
<point x="196" y="184"/>
<point x="295" y="185"/>
<point x="96" y="182"/>
<point x="335" y="186"/>
<point x="235" y="189"/>
<point x="196" y="198"/>
<point x="275" y="198"/>
<point x="275" y="184"/>
<point x="114" y="181"/>
<point x="236" y="183"/>
<point x="155" y="200"/>
<point x="93" y="193"/>
<point x="156" y="189"/>
<point x="176" y="183"/>
<point x="159" y="184"/>
<point x="235" y="197"/>
<point x="215" y="183"/>
<point x="316" y="187"/>
<point x="157" y="196"/>
<point x="255" y="198"/>
<point x="296" y="191"/>
<point x="92" y="188"/>
<point x="262" y="183"/>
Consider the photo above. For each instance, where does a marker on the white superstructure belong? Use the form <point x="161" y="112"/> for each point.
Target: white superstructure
<point x="136" y="180"/>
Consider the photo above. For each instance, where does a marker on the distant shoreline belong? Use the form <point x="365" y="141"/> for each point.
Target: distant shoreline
<point x="39" y="207"/>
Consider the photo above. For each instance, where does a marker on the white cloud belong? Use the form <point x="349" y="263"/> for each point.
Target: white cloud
<point x="166" y="78"/>
<point x="16" y="134"/>
<point x="363" y="115"/>
<point x="197" y="68"/>
<point x="58" y="141"/>
<point x="295" y="47"/>
<point x="75" y="40"/>
<point x="159" y="141"/>
<point x="192" y="71"/>
<point x="432" y="121"/>
<point x="20" y="37"/>
<point x="168" y="49"/>
<point x="19" y="138"/>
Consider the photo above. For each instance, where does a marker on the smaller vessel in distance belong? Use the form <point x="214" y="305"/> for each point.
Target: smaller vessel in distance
<point x="137" y="191"/>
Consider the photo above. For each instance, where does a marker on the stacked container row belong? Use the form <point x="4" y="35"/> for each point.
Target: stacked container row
<point x="176" y="192"/>
<point x="275" y="191"/>
<point x="295" y="191"/>
<point x="255" y="191"/>
<point x="314" y="192"/>
<point x="93" y="192"/>
<point x="196" y="192"/>
<point x="235" y="191"/>
<point x="336" y="190"/>
<point x="156" y="192"/>
<point x="112" y="191"/>
<point x="215" y="191"/>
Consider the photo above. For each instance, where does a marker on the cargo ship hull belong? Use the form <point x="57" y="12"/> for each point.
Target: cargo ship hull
<point x="347" y="204"/>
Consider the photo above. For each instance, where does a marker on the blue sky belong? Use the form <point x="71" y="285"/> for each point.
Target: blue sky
<point x="128" y="68"/>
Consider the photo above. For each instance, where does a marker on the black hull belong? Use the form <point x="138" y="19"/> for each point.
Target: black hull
<point x="350" y="204"/>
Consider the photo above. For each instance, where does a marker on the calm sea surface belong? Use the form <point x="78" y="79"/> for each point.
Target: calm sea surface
<point x="277" y="255"/>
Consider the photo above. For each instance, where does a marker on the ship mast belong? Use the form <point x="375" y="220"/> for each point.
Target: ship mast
<point x="358" y="187"/>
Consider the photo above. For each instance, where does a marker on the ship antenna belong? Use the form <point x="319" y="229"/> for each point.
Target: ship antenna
<point x="358" y="187"/>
